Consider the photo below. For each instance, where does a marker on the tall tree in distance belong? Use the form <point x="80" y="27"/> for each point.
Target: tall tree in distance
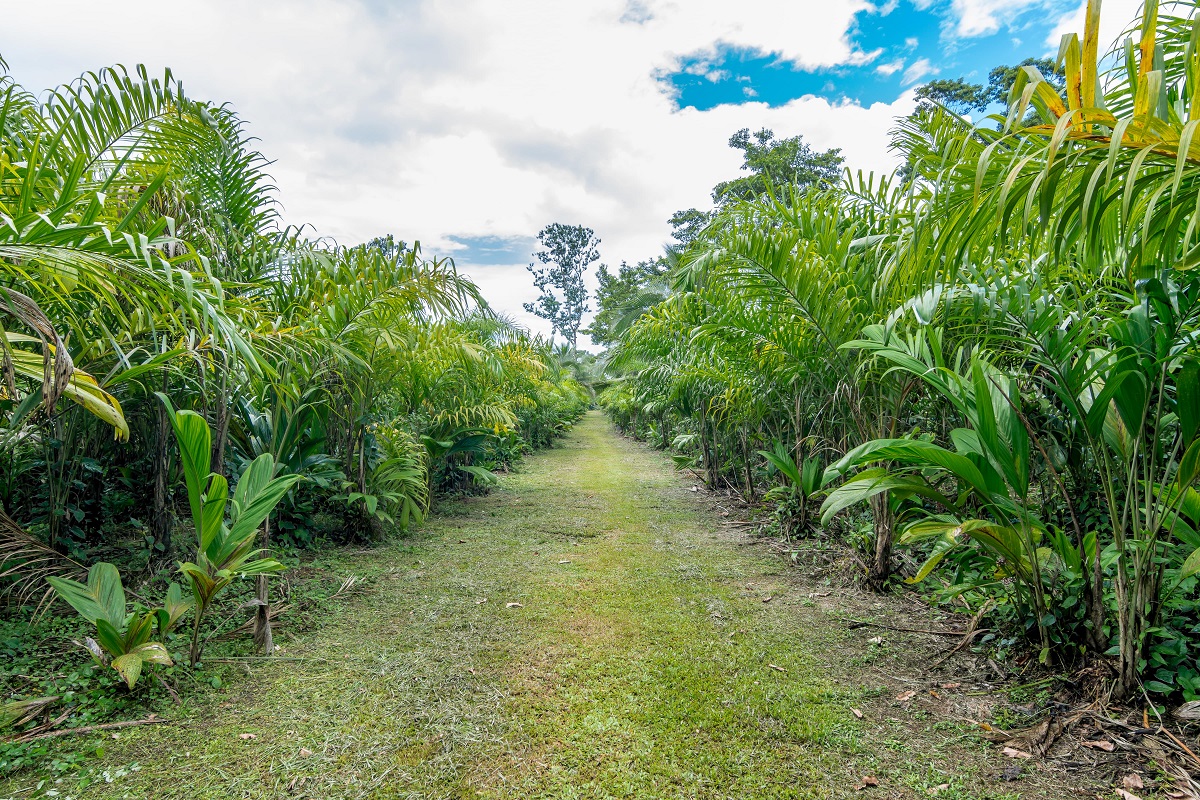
<point x="567" y="251"/>
<point x="961" y="97"/>
<point x="775" y="164"/>
<point x="624" y="297"/>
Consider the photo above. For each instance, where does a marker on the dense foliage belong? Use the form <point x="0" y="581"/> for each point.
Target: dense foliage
<point x="993" y="354"/>
<point x="169" y="344"/>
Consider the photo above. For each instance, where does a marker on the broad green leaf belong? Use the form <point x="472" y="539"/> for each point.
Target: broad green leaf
<point x="869" y="483"/>
<point x="252" y="483"/>
<point x="174" y="607"/>
<point x="212" y="513"/>
<point x="941" y="548"/>
<point x="1191" y="565"/>
<point x="1187" y="398"/>
<point x="195" y="453"/>
<point x="153" y="653"/>
<point x="260" y="505"/>
<point x="129" y="667"/>
<point x="110" y="638"/>
<point x="102" y="598"/>
<point x="1189" y="466"/>
<point x="784" y="464"/>
<point x="914" y="452"/>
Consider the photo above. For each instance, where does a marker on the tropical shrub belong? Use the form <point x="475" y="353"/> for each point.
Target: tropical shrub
<point x="122" y="638"/>
<point x="224" y="552"/>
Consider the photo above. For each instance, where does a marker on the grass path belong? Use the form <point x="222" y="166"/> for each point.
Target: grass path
<point x="643" y="661"/>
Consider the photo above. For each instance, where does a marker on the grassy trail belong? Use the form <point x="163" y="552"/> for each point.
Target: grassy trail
<point x="643" y="661"/>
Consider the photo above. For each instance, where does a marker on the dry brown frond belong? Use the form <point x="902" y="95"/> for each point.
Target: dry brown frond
<point x="25" y="563"/>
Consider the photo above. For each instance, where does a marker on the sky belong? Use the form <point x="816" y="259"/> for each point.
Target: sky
<point x="469" y="125"/>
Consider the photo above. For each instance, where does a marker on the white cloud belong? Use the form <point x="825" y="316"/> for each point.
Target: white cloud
<point x="916" y="71"/>
<point x="890" y="68"/>
<point x="468" y="117"/>
<point x="983" y="17"/>
<point x="859" y="58"/>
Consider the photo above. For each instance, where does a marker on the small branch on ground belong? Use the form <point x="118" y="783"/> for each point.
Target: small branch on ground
<point x="860" y="623"/>
<point x="90" y="728"/>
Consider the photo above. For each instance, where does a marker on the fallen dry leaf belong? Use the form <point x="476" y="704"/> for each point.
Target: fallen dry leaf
<point x="304" y="751"/>
<point x="875" y="640"/>
<point x="1124" y="795"/>
<point x="856" y="712"/>
<point x="1040" y="738"/>
<point x="513" y="605"/>
<point x="768" y="599"/>
<point x="1188" y="710"/>
<point x="941" y="787"/>
<point x="867" y="780"/>
<point x="778" y="668"/>
<point x="1106" y="746"/>
<point x="1013" y="752"/>
<point x="904" y="697"/>
<point x="1133" y="781"/>
<point x="247" y="735"/>
<point x="565" y="561"/>
<point x="950" y="685"/>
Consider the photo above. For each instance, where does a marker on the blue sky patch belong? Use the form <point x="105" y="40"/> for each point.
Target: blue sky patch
<point x="492" y="250"/>
<point x="897" y="45"/>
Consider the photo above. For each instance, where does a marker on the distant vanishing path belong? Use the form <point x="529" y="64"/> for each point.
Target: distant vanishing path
<point x="652" y="654"/>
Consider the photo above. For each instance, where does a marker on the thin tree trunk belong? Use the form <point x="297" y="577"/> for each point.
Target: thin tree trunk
<point x="161" y="521"/>
<point x="705" y="449"/>
<point x="798" y="433"/>
<point x="262" y="612"/>
<point x="1095" y="637"/>
<point x="884" y="524"/>
<point x="55" y="456"/>
<point x="748" y="466"/>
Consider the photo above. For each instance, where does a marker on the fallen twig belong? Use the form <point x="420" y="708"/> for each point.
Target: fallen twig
<point x="49" y="725"/>
<point x="861" y="623"/>
<point x="129" y="723"/>
<point x="170" y="689"/>
<point x="1162" y="726"/>
<point x="240" y="659"/>
<point x="973" y="630"/>
<point x="967" y="638"/>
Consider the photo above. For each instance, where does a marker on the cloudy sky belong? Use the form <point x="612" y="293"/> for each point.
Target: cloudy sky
<point x="471" y="124"/>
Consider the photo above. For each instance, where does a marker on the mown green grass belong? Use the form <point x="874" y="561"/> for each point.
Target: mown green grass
<point x="641" y="668"/>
